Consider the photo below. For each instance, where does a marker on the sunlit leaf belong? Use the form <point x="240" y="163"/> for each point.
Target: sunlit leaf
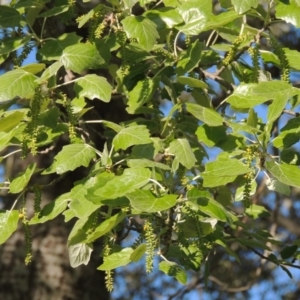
<point x="174" y="270"/>
<point x="81" y="57"/>
<point x="80" y="254"/>
<point x="93" y="87"/>
<point x="71" y="157"/>
<point x="117" y="259"/>
<point x="8" y="224"/>
<point x="20" y="182"/>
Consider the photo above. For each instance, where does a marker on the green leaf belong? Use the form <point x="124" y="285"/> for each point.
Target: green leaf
<point x="182" y="150"/>
<point x="51" y="210"/>
<point x="289" y="11"/>
<point x="288" y="251"/>
<point x="190" y="60"/>
<point x="50" y="71"/>
<point x="93" y="86"/>
<point x="277" y="186"/>
<point x="289" y="134"/>
<point x="20" y="182"/>
<point x="257" y="211"/>
<point x="144" y="201"/>
<point x="209" y="206"/>
<point x="138" y="253"/>
<point x="81" y="57"/>
<point x="130" y="180"/>
<point x="287" y="174"/>
<point x="174" y="270"/>
<point x="8" y="224"/>
<point x="146" y="163"/>
<point x="164" y="17"/>
<point x="80" y="204"/>
<point x="204" y="114"/>
<point x="129" y="3"/>
<point x="71" y="157"/>
<point x="33" y="68"/>
<point x="11" y="119"/>
<point x="80" y="254"/>
<point x="17" y="83"/>
<point x="290" y="156"/>
<point x="10" y="44"/>
<point x="196" y="14"/>
<point x="53" y="49"/>
<point x="57" y="10"/>
<point x="141" y="94"/>
<point x="192" y="82"/>
<point x="133" y="135"/>
<point x="274" y="111"/>
<point x="116" y="260"/>
<point x="252" y="243"/>
<point x="252" y="94"/>
<point x="222" y="171"/>
<point x="252" y="119"/>
<point x="210" y="136"/>
<point x="142" y="29"/>
<point x="293" y="57"/>
<point x="106" y="226"/>
<point x="242" y="6"/>
<point x="9" y="17"/>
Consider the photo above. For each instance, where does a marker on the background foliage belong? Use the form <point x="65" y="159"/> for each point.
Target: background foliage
<point x="171" y="121"/>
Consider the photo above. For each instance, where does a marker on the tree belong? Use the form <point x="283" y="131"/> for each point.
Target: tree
<point x="144" y="116"/>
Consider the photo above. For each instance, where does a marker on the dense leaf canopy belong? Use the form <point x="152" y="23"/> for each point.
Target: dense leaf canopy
<point x="170" y="112"/>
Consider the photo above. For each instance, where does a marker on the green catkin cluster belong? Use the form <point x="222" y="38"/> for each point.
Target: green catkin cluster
<point x="254" y="53"/>
<point x="230" y="56"/>
<point x="199" y="230"/>
<point x="30" y="133"/>
<point x="37" y="198"/>
<point x="163" y="54"/>
<point x="187" y="40"/>
<point x="249" y="156"/>
<point x="122" y="39"/>
<point x="27" y="234"/>
<point x="151" y="243"/>
<point x="284" y="63"/>
<point x="71" y="117"/>
<point x="109" y="280"/>
<point x="19" y="59"/>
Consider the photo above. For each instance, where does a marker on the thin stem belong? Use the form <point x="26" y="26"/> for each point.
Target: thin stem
<point x="63" y="84"/>
<point x="157" y="183"/>
<point x="43" y="26"/>
<point x="11" y="153"/>
<point x="210" y="37"/>
<point x="13" y="206"/>
<point x="175" y="42"/>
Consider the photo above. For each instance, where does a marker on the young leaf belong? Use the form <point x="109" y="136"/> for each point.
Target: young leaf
<point x="71" y="157"/>
<point x="277" y="186"/>
<point x="204" y="114"/>
<point x="196" y="14"/>
<point x="133" y="135"/>
<point x="222" y="171"/>
<point x="8" y="224"/>
<point x="93" y="86"/>
<point x="17" y="83"/>
<point x="174" y="270"/>
<point x="138" y="253"/>
<point x="9" y="17"/>
<point x="210" y="136"/>
<point x="50" y="71"/>
<point x="80" y="254"/>
<point x="129" y="181"/>
<point x="287" y="174"/>
<point x="53" y="49"/>
<point x="242" y="6"/>
<point x="106" y="226"/>
<point x="190" y="60"/>
<point x="141" y="94"/>
<point x="142" y="29"/>
<point x="144" y="201"/>
<point x="20" y="182"/>
<point x="183" y="151"/>
<point x="51" y="210"/>
<point x="289" y="11"/>
<point x="81" y="57"/>
<point x="116" y="259"/>
<point x="252" y="94"/>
